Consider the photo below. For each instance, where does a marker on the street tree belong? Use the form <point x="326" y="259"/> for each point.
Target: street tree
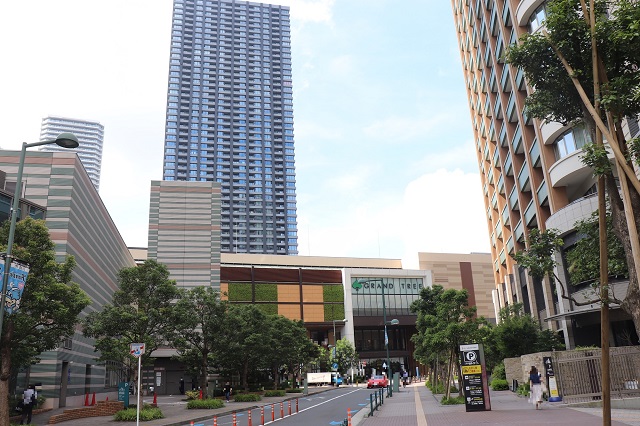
<point x="197" y="330"/>
<point x="445" y="321"/>
<point x="298" y="351"/>
<point x="345" y="356"/>
<point x="559" y="63"/>
<point x="140" y="312"/>
<point x="518" y="333"/>
<point x="245" y="343"/>
<point x="49" y="309"/>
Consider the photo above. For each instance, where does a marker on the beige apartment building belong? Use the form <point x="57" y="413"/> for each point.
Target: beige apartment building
<point x="531" y="173"/>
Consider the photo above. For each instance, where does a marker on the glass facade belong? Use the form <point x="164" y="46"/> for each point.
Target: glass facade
<point x="230" y="117"/>
<point x="399" y="293"/>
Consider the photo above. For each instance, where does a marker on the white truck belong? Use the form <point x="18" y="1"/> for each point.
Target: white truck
<point x="319" y="379"/>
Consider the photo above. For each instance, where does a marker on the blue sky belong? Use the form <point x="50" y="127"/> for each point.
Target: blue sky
<point x="385" y="160"/>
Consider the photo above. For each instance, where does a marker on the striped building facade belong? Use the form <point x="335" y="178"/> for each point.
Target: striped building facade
<point x="79" y="225"/>
<point x="184" y="230"/>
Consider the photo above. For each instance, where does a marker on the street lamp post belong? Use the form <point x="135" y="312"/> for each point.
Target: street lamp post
<point x="64" y="140"/>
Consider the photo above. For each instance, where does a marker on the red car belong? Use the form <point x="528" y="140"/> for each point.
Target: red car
<point x="377" y="382"/>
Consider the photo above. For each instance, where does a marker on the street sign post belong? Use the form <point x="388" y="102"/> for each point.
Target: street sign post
<point x="474" y="378"/>
<point x="137" y="349"/>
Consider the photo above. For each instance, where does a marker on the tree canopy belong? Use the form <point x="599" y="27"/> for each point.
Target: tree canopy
<point x="141" y="312"/>
<point x="50" y="306"/>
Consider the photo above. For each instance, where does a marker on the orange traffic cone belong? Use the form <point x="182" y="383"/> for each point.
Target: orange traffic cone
<point x="107" y="400"/>
<point x="93" y="399"/>
<point x="155" y="398"/>
<point x="86" y="400"/>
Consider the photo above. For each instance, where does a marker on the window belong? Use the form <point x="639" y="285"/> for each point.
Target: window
<point x="537" y="19"/>
<point x="571" y="141"/>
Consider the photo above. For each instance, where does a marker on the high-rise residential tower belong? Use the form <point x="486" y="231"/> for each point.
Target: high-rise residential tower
<point x="90" y="134"/>
<point x="531" y="171"/>
<point x="230" y="117"/>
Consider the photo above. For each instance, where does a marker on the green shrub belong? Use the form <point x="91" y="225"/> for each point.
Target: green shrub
<point x="499" y="384"/>
<point x="193" y="394"/>
<point x="247" y="397"/>
<point x="454" y="400"/>
<point x="523" y="389"/>
<point x="274" y="393"/>
<point x="294" y="390"/>
<point x="499" y="372"/>
<point x="208" y="403"/>
<point x="146" y="414"/>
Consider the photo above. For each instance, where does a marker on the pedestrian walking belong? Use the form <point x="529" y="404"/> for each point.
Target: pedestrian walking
<point x="29" y="400"/>
<point x="535" y="386"/>
<point x="181" y="386"/>
<point x="227" y="390"/>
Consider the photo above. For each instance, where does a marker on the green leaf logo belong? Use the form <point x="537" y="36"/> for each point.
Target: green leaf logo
<point x="356" y="285"/>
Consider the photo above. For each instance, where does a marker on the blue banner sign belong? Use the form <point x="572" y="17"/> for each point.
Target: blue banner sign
<point x="17" y="280"/>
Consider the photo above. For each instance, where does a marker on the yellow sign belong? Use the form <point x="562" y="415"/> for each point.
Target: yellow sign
<point x="471" y="369"/>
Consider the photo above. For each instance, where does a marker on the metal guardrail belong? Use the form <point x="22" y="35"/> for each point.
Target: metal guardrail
<point x="376" y="399"/>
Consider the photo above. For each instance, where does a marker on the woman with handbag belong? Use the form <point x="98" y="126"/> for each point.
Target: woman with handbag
<point x="535" y="386"/>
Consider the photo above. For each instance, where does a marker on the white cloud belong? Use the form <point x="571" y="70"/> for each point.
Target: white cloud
<point x="444" y="213"/>
<point x="441" y="211"/>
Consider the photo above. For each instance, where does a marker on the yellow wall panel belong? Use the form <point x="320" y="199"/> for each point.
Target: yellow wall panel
<point x="224" y="289"/>
<point x="288" y="293"/>
<point x="289" y="311"/>
<point x="312" y="293"/>
<point x="314" y="313"/>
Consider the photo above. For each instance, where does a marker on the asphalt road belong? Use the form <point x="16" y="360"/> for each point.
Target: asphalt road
<point x="325" y="409"/>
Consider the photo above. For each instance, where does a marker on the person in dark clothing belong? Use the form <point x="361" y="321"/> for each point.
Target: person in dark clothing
<point x="181" y="386"/>
<point x="227" y="391"/>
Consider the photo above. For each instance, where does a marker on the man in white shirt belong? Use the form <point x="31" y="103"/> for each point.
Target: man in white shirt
<point x="29" y="397"/>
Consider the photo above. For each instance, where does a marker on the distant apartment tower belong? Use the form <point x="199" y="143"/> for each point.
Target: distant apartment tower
<point x="90" y="134"/>
<point x="230" y="118"/>
<point x="532" y="176"/>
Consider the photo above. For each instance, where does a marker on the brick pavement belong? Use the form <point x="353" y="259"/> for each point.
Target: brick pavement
<point x="417" y="406"/>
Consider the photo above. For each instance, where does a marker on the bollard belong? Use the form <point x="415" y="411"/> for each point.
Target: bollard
<point x="273" y="412"/>
<point x="215" y="420"/>
<point x="296" y="405"/>
<point x="262" y="415"/>
<point x="191" y="423"/>
<point x="282" y="410"/>
<point x="249" y="418"/>
<point x="289" y="407"/>
<point x="200" y="396"/>
<point x="348" y="416"/>
<point x="235" y="423"/>
<point x="371" y="400"/>
<point x="155" y="398"/>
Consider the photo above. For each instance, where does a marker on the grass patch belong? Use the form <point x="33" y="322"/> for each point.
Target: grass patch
<point x="454" y="400"/>
<point x="208" y="404"/>
<point x="146" y="414"/>
<point x="274" y="393"/>
<point x="247" y="397"/>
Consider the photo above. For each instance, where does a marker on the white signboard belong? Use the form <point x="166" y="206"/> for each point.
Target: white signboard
<point x="137" y="349"/>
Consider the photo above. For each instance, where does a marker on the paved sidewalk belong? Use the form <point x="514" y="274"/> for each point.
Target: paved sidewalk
<point x="415" y="405"/>
<point x="175" y="411"/>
